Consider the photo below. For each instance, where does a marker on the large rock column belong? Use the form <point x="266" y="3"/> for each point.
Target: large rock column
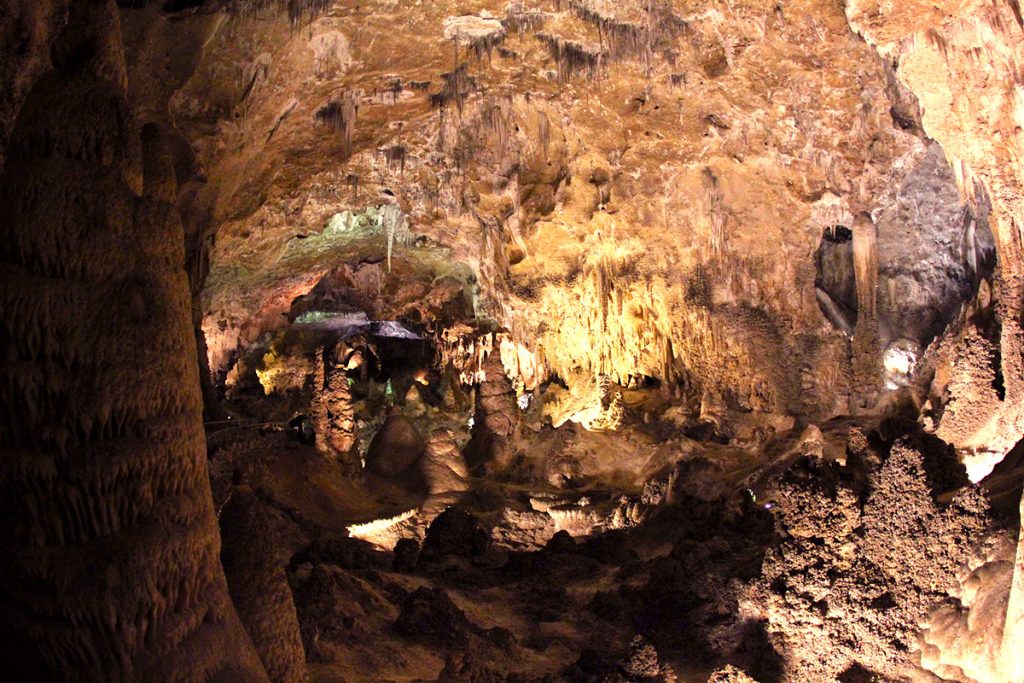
<point x="496" y="420"/>
<point x="333" y="416"/>
<point x="109" y="547"/>
<point x="254" y="558"/>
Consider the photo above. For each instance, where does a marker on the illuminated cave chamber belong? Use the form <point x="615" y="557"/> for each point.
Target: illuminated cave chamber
<point x="529" y="341"/>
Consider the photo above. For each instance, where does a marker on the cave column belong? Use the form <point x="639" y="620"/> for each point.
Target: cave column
<point x="497" y="418"/>
<point x="109" y="547"/>
<point x="1009" y="289"/>
<point x="867" y="369"/>
<point x="333" y="417"/>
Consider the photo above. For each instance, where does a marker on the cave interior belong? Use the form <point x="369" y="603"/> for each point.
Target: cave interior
<point x="512" y="340"/>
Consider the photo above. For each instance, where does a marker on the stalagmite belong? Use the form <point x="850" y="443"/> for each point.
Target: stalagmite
<point x="110" y="544"/>
<point x="496" y="419"/>
<point x="333" y="420"/>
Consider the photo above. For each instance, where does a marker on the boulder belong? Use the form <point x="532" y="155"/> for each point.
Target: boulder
<point x="429" y="616"/>
<point x="455" y="532"/>
<point x="395" y="448"/>
<point x="407" y="553"/>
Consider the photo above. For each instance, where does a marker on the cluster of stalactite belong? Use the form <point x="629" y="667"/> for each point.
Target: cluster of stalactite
<point x="658" y="28"/>
<point x="465" y="352"/>
<point x="619" y="321"/>
<point x="497" y="120"/>
<point x="299" y="11"/>
<point x="483" y="46"/>
<point x="340" y="116"/>
<point x="394" y="156"/>
<point x="468" y="353"/>
<point x="520" y="18"/>
<point x="572" y="57"/>
<point x="456" y="86"/>
<point x="616" y="326"/>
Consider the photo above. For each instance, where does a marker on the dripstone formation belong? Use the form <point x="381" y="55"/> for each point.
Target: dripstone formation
<point x="511" y="340"/>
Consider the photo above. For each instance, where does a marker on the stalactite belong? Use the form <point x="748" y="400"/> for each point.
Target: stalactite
<point x="544" y="132"/>
<point x="483" y="46"/>
<point x="340" y="115"/>
<point x="866" y="345"/>
<point x="619" y="37"/>
<point x="395" y="157"/>
<point x="572" y="58"/>
<point x="714" y="203"/>
<point x="497" y="120"/>
<point x="623" y="39"/>
<point x="396" y="230"/>
<point x="299" y="11"/>
<point x="456" y="86"/>
<point x="520" y="18"/>
<point x="390" y="216"/>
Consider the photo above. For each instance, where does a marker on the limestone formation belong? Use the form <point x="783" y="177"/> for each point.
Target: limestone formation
<point x="111" y="549"/>
<point x="495" y="421"/>
<point x="255" y="569"/>
<point x="395" y="448"/>
<point x="524" y="340"/>
<point x="332" y="408"/>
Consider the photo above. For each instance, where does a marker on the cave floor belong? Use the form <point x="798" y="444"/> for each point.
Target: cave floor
<point x="653" y="543"/>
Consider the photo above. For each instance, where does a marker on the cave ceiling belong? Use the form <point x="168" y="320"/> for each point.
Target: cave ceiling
<point x="633" y="189"/>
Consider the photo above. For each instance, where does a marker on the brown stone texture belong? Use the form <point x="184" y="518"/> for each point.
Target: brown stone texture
<point x="687" y="335"/>
<point x="110" y="544"/>
<point x="254" y="561"/>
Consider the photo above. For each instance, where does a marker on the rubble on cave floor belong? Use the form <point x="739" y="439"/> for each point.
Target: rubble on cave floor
<point x="810" y="558"/>
<point x="474" y="522"/>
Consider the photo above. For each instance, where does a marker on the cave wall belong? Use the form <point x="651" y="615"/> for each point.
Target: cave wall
<point x="962" y="60"/>
<point x="651" y="213"/>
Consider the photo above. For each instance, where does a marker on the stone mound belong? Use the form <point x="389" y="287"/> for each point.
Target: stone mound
<point x="395" y="448"/>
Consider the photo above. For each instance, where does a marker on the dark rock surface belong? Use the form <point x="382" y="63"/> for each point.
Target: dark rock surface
<point x="395" y="448"/>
